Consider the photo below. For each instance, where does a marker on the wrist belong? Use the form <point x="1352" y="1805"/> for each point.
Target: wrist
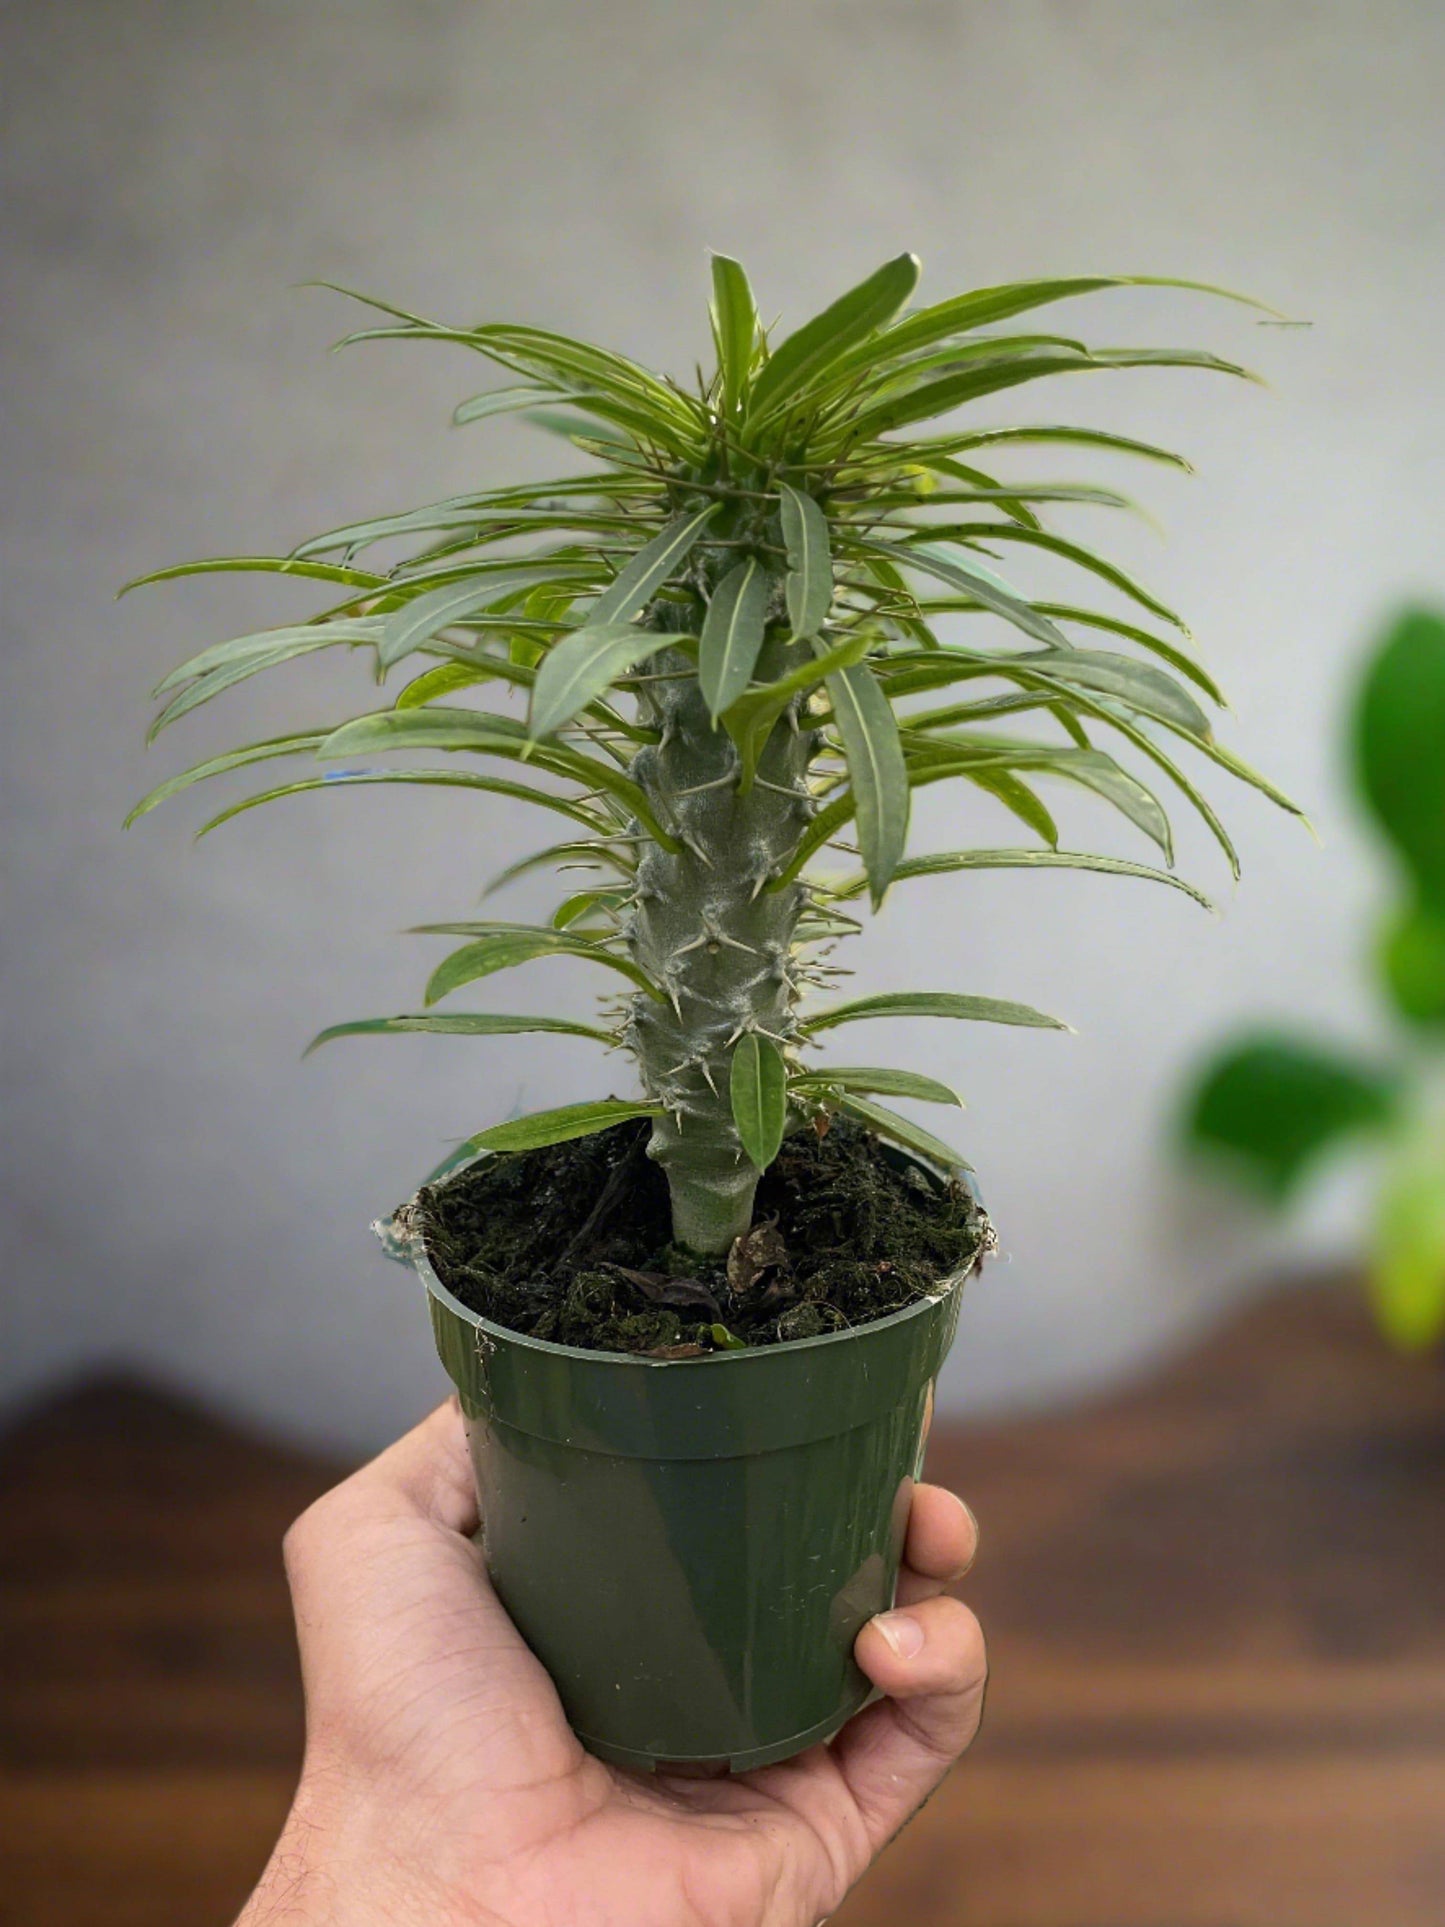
<point x="335" y="1866"/>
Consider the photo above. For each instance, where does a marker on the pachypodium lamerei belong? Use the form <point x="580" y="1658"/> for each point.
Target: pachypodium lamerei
<point x="723" y="626"/>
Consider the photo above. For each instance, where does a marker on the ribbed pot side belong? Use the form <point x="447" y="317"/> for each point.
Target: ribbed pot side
<point x="691" y="1546"/>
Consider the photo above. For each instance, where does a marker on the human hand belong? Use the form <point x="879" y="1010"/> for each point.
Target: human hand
<point x="443" y="1786"/>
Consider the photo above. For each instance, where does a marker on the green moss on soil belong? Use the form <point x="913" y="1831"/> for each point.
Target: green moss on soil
<point x="572" y="1243"/>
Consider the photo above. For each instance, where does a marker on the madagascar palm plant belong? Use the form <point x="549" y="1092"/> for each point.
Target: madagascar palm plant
<point x="760" y="614"/>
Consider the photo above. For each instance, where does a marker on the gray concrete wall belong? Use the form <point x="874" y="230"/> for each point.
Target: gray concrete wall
<point x="181" y="1193"/>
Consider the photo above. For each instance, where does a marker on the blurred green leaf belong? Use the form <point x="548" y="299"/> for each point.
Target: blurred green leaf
<point x="1412" y="961"/>
<point x="1407" y="1262"/>
<point x="1273" y="1104"/>
<point x="1400" y="746"/>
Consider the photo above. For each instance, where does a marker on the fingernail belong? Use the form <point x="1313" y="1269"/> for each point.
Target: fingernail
<point x="903" y="1633"/>
<point x="972" y="1518"/>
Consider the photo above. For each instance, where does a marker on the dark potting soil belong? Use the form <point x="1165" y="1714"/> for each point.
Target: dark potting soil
<point x="573" y="1243"/>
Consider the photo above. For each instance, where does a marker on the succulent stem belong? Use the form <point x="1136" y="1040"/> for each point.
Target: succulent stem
<point x="717" y="943"/>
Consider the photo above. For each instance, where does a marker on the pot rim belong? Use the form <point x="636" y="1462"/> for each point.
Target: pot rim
<point x="404" y="1221"/>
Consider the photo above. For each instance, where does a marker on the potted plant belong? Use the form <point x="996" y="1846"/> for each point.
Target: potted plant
<point x="695" y="1327"/>
<point x="1270" y="1106"/>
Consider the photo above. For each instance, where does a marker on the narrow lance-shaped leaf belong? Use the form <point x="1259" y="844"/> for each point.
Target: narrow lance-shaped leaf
<point x="946" y="861"/>
<point x="584" y="664"/>
<point x="876" y="771"/>
<point x="732" y="635"/>
<point x="466" y="729"/>
<point x="751" y="719"/>
<point x="877" y="1080"/>
<point x="417" y="621"/>
<point x="267" y="643"/>
<point x="902" y="1130"/>
<point x="735" y="324"/>
<point x="557" y="1127"/>
<point x="810" y="562"/>
<point x="974" y="580"/>
<point x="649" y="569"/>
<point x="504" y="949"/>
<point x="244" y="664"/>
<point x="503" y="401"/>
<point x="299" y="745"/>
<point x="758" y="1093"/>
<point x="467" y="1023"/>
<point x="821" y="341"/>
<point x="260" y="565"/>
<point x="931" y="1003"/>
<point x="421" y="779"/>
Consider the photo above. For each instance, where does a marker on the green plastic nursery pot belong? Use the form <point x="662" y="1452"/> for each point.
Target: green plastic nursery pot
<point x="691" y="1546"/>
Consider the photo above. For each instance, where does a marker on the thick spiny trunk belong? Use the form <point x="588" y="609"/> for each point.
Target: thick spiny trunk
<point x="713" y="937"/>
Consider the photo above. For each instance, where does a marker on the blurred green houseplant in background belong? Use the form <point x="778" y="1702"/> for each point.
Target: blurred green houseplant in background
<point x="1273" y="1103"/>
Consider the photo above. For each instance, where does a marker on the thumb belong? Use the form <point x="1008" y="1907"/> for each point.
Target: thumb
<point x="930" y="1661"/>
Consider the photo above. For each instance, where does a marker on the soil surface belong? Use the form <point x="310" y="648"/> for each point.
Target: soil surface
<point x="573" y="1243"/>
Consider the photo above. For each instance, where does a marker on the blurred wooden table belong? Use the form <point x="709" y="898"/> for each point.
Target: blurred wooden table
<point x="1215" y="1607"/>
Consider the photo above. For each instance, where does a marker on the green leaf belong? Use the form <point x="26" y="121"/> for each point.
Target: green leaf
<point x="903" y="1131"/>
<point x="488" y="735"/>
<point x="649" y="569"/>
<point x="261" y="564"/>
<point x="444" y="679"/>
<point x="470" y="1023"/>
<point x="268" y="645"/>
<point x="941" y="397"/>
<point x="1048" y="432"/>
<point x="829" y="335"/>
<point x="1407" y="1257"/>
<point x="582" y="853"/>
<point x="810" y="562"/>
<point x="877" y="1080"/>
<point x="758" y="1092"/>
<point x="732" y="635"/>
<point x="422" y="778"/>
<point x="1272" y="1104"/>
<point x="500" y="401"/>
<point x="983" y="307"/>
<point x="583" y="665"/>
<point x="557" y="1127"/>
<point x="1400" y="746"/>
<point x="504" y="947"/>
<point x="725" y="1340"/>
<point x="877" y="772"/>
<point x="1412" y="962"/>
<point x="735" y="325"/>
<point x="750" y="721"/>
<point x="931" y="1003"/>
<point x="1069" y="552"/>
<point x="247" y="656"/>
<point x="948" y="861"/>
<point x="975" y="581"/>
<point x="299" y="745"/>
<point x="417" y="621"/>
<point x="1139" y="684"/>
